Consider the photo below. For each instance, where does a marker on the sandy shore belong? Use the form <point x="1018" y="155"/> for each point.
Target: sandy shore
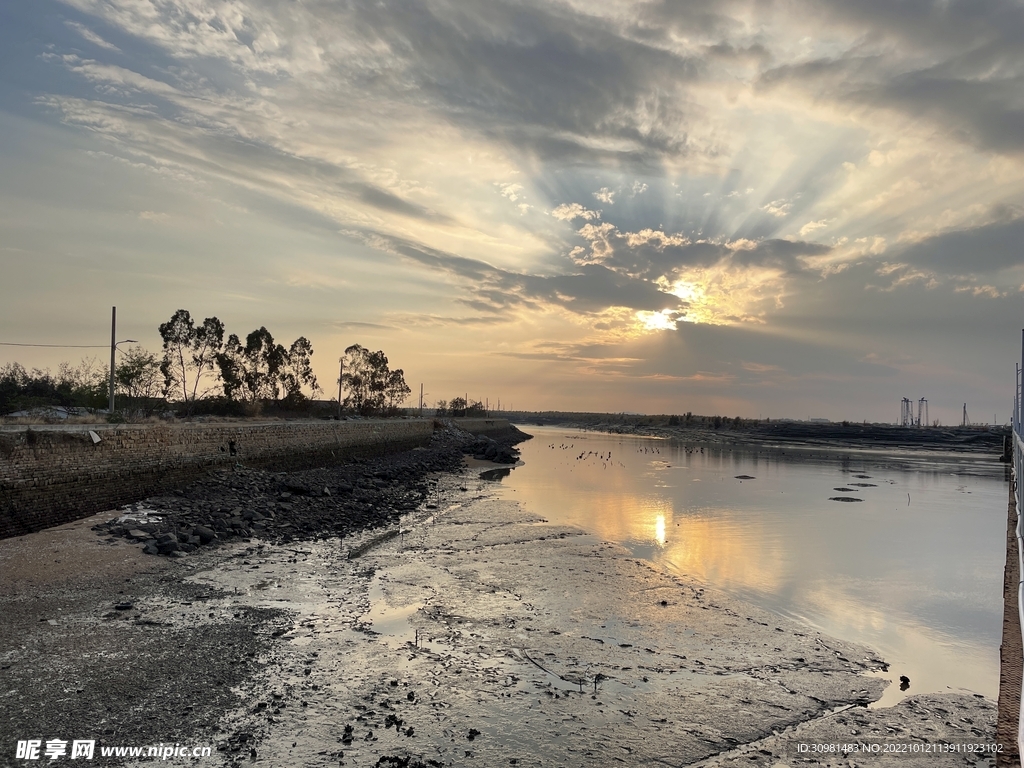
<point x="479" y="636"/>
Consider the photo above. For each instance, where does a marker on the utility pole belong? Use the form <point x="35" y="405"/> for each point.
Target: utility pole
<point x="341" y="372"/>
<point x="421" y="400"/>
<point x="113" y="348"/>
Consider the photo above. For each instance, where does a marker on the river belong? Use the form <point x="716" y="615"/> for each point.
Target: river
<point x="913" y="569"/>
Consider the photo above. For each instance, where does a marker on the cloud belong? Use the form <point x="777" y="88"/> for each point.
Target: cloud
<point x="956" y="65"/>
<point x="572" y="211"/>
<point x="423" y="138"/>
<point x="979" y="250"/>
<point x="348" y="324"/>
<point x="654" y="254"/>
<point x="91" y="36"/>
<point x="778" y="208"/>
<point x="589" y="289"/>
<point x="512" y="191"/>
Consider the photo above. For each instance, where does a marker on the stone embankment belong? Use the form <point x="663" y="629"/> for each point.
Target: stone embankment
<point x="51" y="475"/>
<point x="239" y="503"/>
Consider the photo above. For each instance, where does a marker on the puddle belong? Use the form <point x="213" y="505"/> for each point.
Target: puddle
<point x="496" y="474"/>
<point x="390" y="623"/>
<point x="482" y="637"/>
<point x="139" y="515"/>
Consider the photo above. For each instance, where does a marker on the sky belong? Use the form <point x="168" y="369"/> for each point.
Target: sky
<point x="759" y="209"/>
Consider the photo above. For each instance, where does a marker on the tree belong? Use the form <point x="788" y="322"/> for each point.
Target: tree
<point x="137" y="378"/>
<point x="252" y="372"/>
<point x="457" y="407"/>
<point x="189" y="355"/>
<point x="264" y="370"/>
<point x="396" y="390"/>
<point x="373" y="388"/>
<point x="84" y="385"/>
<point x="441" y="408"/>
<point x="298" y="370"/>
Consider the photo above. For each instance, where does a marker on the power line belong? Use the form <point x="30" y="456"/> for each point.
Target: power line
<point x="60" y="346"/>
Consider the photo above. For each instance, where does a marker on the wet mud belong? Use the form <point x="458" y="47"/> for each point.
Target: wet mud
<point x="470" y="633"/>
<point x="480" y="635"/>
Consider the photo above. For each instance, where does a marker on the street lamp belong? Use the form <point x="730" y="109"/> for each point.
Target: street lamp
<point x="113" y="349"/>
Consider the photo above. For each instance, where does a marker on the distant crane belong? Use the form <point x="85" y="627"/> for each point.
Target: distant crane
<point x="907" y="417"/>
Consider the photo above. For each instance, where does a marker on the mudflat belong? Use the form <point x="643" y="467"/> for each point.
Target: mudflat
<point x="479" y="634"/>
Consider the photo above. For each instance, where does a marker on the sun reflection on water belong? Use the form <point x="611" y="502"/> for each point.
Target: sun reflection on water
<point x="764" y="529"/>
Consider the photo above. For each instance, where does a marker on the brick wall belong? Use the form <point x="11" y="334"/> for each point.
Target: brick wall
<point x="54" y="474"/>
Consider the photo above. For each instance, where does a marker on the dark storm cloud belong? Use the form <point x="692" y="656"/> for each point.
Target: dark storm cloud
<point x="781" y="254"/>
<point x="592" y="288"/>
<point x="747" y="355"/>
<point x="664" y="19"/>
<point x="997" y="25"/>
<point x="386" y="201"/>
<point x="542" y="78"/>
<point x="653" y="254"/>
<point x="971" y="251"/>
<point x="987" y="112"/>
<point x="957" y="64"/>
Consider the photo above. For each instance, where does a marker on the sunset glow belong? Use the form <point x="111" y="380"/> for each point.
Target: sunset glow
<point x="825" y="194"/>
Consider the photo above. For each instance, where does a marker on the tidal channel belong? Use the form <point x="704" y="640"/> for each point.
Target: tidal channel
<point x="912" y="567"/>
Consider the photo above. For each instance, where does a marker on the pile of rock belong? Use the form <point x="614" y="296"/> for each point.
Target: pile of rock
<point x="332" y="501"/>
<point x="487" y="449"/>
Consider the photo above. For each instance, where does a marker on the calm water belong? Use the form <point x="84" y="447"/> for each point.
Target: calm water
<point x="914" y="570"/>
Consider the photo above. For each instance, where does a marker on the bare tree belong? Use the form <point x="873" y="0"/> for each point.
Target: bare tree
<point x="189" y="353"/>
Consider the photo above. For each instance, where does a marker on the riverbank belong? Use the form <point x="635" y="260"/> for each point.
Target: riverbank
<point x="53" y="474"/>
<point x="474" y="633"/>
<point x="829" y="438"/>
